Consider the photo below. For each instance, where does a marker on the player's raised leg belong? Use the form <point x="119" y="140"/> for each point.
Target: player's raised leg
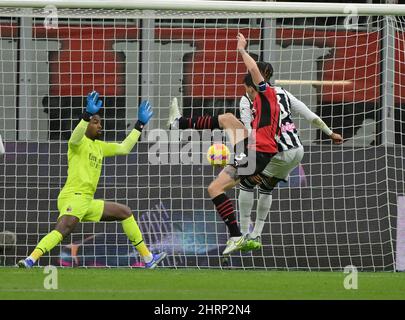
<point x="235" y="130"/>
<point x="174" y="115"/>
<point x="115" y="211"/>
<point x="177" y="121"/>
<point x="227" y="179"/>
<point x="227" y="121"/>
<point x="64" y="227"/>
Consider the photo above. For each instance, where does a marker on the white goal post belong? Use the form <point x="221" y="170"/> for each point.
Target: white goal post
<point x="346" y="62"/>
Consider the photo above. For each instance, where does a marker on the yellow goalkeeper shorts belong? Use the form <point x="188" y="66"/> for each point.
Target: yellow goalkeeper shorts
<point x="83" y="207"/>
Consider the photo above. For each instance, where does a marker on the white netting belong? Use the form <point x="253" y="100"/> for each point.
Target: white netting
<point x="338" y="208"/>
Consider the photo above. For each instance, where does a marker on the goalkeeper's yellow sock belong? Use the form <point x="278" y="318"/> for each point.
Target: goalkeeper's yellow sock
<point x="36" y="254"/>
<point x="134" y="235"/>
<point x="47" y="243"/>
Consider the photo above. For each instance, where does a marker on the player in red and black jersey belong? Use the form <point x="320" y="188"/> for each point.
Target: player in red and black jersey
<point x="266" y="120"/>
<point x="250" y="158"/>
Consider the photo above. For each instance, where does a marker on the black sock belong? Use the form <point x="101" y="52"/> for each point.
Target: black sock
<point x="225" y="209"/>
<point x="204" y="122"/>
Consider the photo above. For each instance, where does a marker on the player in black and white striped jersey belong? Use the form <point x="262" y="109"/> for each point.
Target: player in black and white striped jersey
<point x="290" y="153"/>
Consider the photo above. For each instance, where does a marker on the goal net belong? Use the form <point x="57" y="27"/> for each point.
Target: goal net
<point x="338" y="208"/>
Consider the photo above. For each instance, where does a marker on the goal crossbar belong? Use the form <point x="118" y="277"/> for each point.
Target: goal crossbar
<point x="229" y="6"/>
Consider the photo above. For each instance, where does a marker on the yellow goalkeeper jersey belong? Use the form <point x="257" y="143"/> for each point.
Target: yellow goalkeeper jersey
<point x="85" y="159"/>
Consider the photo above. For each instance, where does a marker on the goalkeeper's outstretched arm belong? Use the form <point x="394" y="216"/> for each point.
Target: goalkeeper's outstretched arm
<point x="92" y="107"/>
<point x="125" y="147"/>
<point x="116" y="149"/>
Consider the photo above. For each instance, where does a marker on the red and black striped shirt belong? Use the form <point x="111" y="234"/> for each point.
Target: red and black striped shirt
<point x="266" y="121"/>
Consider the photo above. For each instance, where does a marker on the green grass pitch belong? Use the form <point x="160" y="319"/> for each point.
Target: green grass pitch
<point x="194" y="284"/>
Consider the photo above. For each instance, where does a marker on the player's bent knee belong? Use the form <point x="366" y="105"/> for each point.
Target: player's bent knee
<point x="265" y="190"/>
<point x="126" y="213"/>
<point x="214" y="190"/>
<point x="247" y="185"/>
<point x="268" y="184"/>
<point x="226" y="118"/>
<point x="68" y="229"/>
<point x="66" y="225"/>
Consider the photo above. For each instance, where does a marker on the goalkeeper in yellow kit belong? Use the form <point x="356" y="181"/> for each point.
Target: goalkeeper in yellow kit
<point x="76" y="202"/>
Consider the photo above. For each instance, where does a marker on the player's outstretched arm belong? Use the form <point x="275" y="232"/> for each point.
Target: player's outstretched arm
<point x="248" y="60"/>
<point x="336" y="138"/>
<point x="114" y="149"/>
<point x="92" y="107"/>
<point x="2" y="150"/>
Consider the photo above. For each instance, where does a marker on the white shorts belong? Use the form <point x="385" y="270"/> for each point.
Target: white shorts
<point x="283" y="163"/>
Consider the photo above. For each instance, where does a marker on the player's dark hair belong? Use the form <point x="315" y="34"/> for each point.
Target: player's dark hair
<point x="248" y="81"/>
<point x="266" y="69"/>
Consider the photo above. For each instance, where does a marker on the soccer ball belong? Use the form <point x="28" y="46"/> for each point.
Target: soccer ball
<point x="218" y="155"/>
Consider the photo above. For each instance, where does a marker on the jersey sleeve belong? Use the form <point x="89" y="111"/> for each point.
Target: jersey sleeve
<point x="111" y="149"/>
<point x="78" y="134"/>
<point x="297" y="106"/>
<point x="263" y="86"/>
<point x="246" y="112"/>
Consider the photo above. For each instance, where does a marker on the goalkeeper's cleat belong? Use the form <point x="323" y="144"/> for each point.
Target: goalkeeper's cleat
<point x="26" y="263"/>
<point x="234" y="243"/>
<point x="157" y="257"/>
<point x="252" y="243"/>
<point x="174" y="115"/>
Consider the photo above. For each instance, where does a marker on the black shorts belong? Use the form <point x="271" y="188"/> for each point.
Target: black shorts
<point x="251" y="162"/>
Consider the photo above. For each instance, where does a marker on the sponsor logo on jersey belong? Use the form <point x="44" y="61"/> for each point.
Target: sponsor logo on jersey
<point x="288" y="127"/>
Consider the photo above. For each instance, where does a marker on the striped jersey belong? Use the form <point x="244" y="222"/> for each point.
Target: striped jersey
<point x="289" y="138"/>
